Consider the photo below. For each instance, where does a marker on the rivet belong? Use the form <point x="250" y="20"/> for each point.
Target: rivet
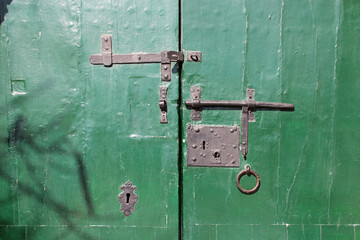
<point x="211" y="130"/>
<point x="197" y="130"/>
<point x="232" y="130"/>
<point x="194" y="159"/>
<point x="165" y="67"/>
<point x="233" y="161"/>
<point x="215" y="134"/>
<point x="106" y="48"/>
<point x="105" y="39"/>
<point x="244" y="143"/>
<point x="204" y="155"/>
<point x="188" y="126"/>
<point x="234" y="146"/>
<point x="166" y="76"/>
<point x="193" y="146"/>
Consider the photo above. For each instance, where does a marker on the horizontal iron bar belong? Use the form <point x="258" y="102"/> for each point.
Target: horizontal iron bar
<point x="128" y="58"/>
<point x="137" y="58"/>
<point x="237" y="104"/>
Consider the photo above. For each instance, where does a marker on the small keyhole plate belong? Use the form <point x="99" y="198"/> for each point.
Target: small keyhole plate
<point x="127" y="198"/>
<point x="213" y="146"/>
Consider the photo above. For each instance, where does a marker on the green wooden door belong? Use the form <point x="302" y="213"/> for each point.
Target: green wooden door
<point x="302" y="52"/>
<point x="72" y="133"/>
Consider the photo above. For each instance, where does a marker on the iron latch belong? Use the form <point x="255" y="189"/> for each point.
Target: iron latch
<point x="165" y="58"/>
<point x="248" y="108"/>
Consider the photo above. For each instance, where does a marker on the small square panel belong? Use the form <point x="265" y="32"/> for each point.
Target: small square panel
<point x="212" y="146"/>
<point x="18" y="87"/>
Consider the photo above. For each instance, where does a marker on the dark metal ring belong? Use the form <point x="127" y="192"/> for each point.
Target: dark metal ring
<point x="195" y="58"/>
<point x="248" y="171"/>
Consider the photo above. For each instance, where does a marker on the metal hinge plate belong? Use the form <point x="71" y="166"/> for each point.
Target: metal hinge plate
<point x="212" y="146"/>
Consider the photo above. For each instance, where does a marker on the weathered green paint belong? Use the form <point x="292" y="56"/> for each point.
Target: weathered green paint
<point x="81" y="121"/>
<point x="304" y="52"/>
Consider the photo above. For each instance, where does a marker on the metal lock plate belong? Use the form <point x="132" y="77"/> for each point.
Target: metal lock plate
<point x="212" y="146"/>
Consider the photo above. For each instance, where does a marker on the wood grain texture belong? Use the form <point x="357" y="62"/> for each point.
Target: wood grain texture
<point x="79" y="131"/>
<point x="302" y="52"/>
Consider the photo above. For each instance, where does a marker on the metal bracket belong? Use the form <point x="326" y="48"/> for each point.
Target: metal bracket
<point x="195" y="97"/>
<point x="194" y="56"/>
<point x="165" y="58"/>
<point x="247" y="115"/>
<point x="163" y="104"/>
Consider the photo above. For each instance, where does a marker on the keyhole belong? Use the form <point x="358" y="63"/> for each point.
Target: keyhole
<point x="127" y="197"/>
<point x="203" y="145"/>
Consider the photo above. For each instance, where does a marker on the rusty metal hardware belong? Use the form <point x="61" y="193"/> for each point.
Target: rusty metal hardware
<point x="194" y="56"/>
<point x="127" y="198"/>
<point x="212" y="146"/>
<point x="163" y="104"/>
<point x="165" y="58"/>
<point x="248" y="172"/>
<point x="248" y="108"/>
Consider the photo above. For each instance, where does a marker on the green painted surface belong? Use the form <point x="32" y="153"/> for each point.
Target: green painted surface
<point x="72" y="133"/>
<point x="78" y="131"/>
<point x="302" y="52"/>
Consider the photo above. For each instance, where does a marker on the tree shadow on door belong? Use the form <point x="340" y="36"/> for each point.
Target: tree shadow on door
<point x="4" y="9"/>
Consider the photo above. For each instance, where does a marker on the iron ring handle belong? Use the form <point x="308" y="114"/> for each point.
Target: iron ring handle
<point x="248" y="171"/>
